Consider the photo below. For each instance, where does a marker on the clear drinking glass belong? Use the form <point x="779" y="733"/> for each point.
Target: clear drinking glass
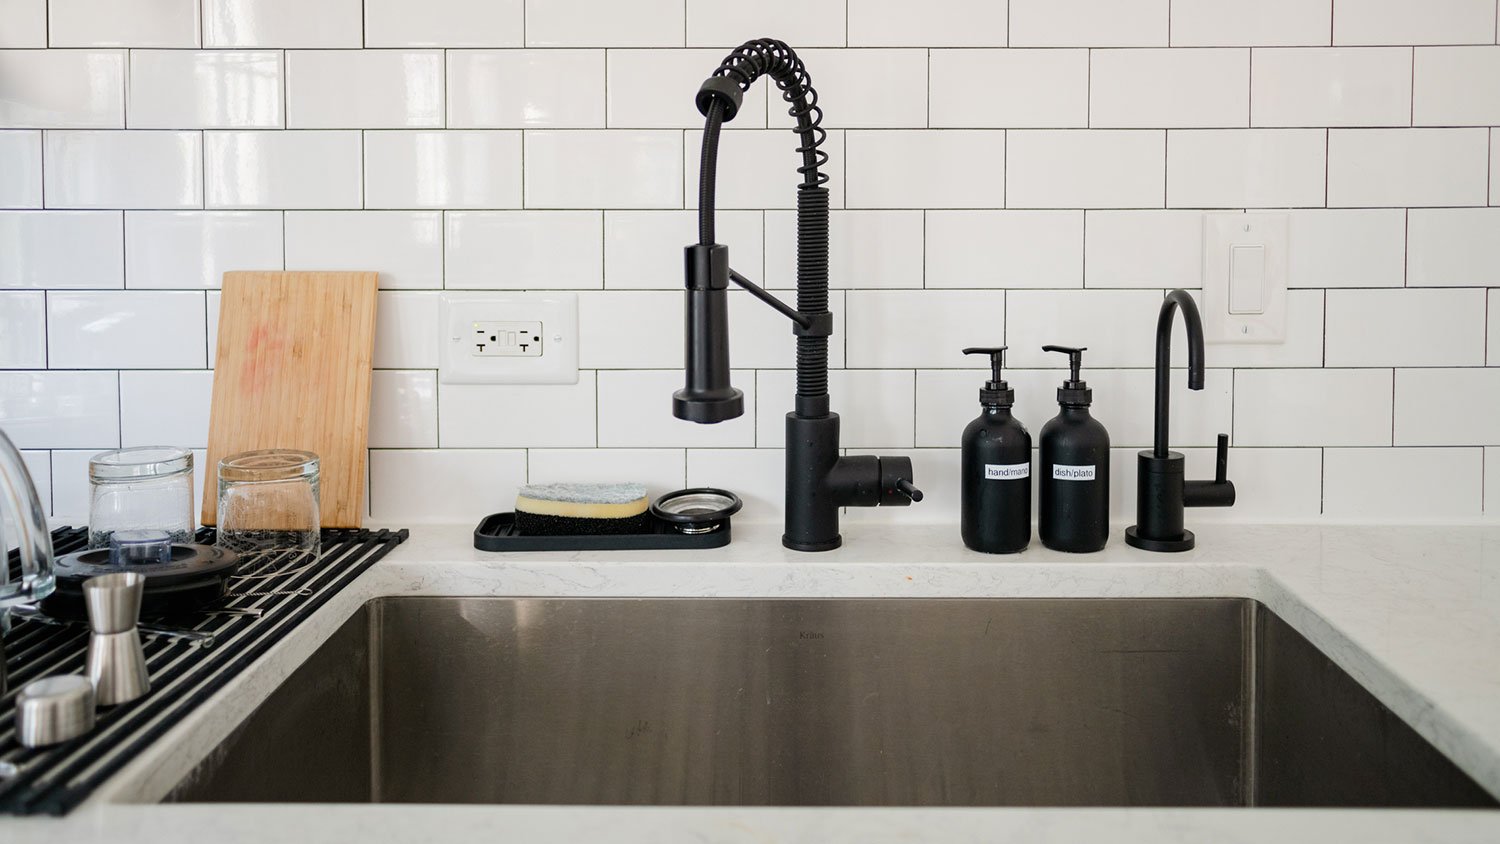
<point x="268" y="509"/>
<point x="147" y="488"/>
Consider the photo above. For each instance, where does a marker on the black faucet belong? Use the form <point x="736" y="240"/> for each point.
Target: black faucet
<point x="1161" y="493"/>
<point x="818" y="480"/>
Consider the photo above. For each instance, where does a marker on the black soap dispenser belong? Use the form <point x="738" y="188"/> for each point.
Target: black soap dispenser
<point x="996" y="480"/>
<point x="1074" y="467"/>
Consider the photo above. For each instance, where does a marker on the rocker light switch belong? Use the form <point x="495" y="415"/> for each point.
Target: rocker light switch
<point x="1244" y="277"/>
<point x="1247" y="279"/>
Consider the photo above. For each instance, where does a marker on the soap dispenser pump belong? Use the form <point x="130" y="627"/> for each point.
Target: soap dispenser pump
<point x="1073" y="512"/>
<point x="996" y="465"/>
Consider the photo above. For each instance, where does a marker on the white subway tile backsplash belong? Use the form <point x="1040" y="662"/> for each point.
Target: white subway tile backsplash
<point x="1494" y="168"/>
<point x="282" y="23"/>
<point x="1106" y="168"/>
<point x="1405" y="328"/>
<point x="1117" y="326"/>
<point x="1414" y="22"/>
<point x="1006" y="249"/>
<point x="518" y="415"/>
<point x="70" y="484"/>
<point x="960" y="168"/>
<point x="1409" y="484"/>
<point x="1088" y="23"/>
<point x="1456" y="86"/>
<point x="1398" y="167"/>
<point x="282" y="169"/>
<point x="61" y="409"/>
<point x="62" y="89"/>
<point x="403" y="409"/>
<point x="866" y="249"/>
<point x="405" y="247"/>
<point x="524" y="250"/>
<point x="122" y="23"/>
<point x="354" y="89"/>
<point x="188" y="89"/>
<point x="1453" y="247"/>
<point x="874" y="407"/>
<point x="630" y="329"/>
<point x="635" y="411"/>
<point x="869" y="89"/>
<point x="23" y="329"/>
<point x="801" y="23"/>
<point x="23" y="23"/>
<point x="444" y="23"/>
<point x="1334" y="407"/>
<point x="1492" y="337"/>
<point x="757" y="169"/>
<point x="1234" y="23"/>
<point x="643" y="249"/>
<point x="662" y="470"/>
<point x="406" y="329"/>
<point x="1041" y="89"/>
<point x="524" y="88"/>
<point x="1148" y="89"/>
<point x="20" y="169"/>
<point x="1272" y="485"/>
<point x="93" y="169"/>
<point x="1447" y="407"/>
<point x="1346" y="247"/>
<point x="757" y="476"/>
<point x="61" y="249"/>
<point x="1143" y="249"/>
<point x="1343" y="86"/>
<point x="468" y="169"/>
<point x="445" y="486"/>
<point x="938" y="23"/>
<point x="893" y="329"/>
<point x="39" y="465"/>
<point x="193" y="249"/>
<point x="166" y="408"/>
<point x="1254" y="168"/>
<point x="125" y="329"/>
<point x="599" y="169"/>
<point x="1303" y="345"/>
<point x="634" y="101"/>
<point x="624" y="23"/>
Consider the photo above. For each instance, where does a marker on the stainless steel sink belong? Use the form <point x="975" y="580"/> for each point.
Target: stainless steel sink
<point x="893" y="702"/>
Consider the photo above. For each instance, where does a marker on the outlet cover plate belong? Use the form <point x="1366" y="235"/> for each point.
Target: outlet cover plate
<point x="461" y="363"/>
<point x="1231" y="312"/>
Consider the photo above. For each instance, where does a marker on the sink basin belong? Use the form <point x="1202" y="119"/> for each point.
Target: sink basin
<point x="879" y="702"/>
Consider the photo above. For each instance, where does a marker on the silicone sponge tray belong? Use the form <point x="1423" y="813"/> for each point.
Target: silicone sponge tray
<point x="687" y="519"/>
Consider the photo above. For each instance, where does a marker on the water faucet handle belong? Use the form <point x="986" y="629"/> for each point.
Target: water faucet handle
<point x="905" y="487"/>
<point x="1221" y="460"/>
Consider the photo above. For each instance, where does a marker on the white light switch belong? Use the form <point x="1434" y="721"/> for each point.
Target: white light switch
<point x="1244" y="277"/>
<point x="1247" y="279"/>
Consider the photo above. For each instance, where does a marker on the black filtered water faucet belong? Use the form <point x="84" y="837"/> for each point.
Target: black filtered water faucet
<point x="818" y="480"/>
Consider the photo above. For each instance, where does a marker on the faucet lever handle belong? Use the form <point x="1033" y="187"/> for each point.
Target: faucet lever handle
<point x="1221" y="462"/>
<point x="906" y="488"/>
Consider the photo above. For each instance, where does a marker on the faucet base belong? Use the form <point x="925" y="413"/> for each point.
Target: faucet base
<point x="1134" y="539"/>
<point x="827" y="545"/>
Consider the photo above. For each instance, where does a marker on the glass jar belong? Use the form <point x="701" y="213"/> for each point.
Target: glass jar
<point x="146" y="488"/>
<point x="268" y="508"/>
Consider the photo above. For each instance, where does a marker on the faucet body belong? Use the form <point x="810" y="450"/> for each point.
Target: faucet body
<point x="1162" y="492"/>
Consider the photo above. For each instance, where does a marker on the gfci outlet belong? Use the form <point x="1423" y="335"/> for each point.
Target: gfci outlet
<point x="509" y="338"/>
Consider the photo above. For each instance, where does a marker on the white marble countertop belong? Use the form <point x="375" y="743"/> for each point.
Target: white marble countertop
<point x="1413" y="613"/>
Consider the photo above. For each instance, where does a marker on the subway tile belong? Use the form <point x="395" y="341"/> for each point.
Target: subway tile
<point x="1494" y="168"/>
<point x="1361" y="247"/>
<point x="1042" y="89"/>
<point x="452" y="169"/>
<point x="517" y="415"/>
<point x="125" y="329"/>
<point x="756" y="475"/>
<point x="1311" y="407"/>
<point x="185" y="89"/>
<point x="874" y="407"/>
<point x="62" y="89"/>
<point x="627" y="23"/>
<point x="895" y="328"/>
<point x="193" y="249"/>
<point x="1405" y="328"/>
<point x="1415" y="22"/>
<point x="1343" y="86"/>
<point x="631" y="329"/>
<point x="23" y="329"/>
<point x="1233" y="23"/>
<point x="1447" y="406"/>
<point x="86" y="169"/>
<point x="352" y="89"/>
<point x="23" y="23"/>
<point x="282" y="169"/>
<point x="1116" y="326"/>
<point x="1007" y="249"/>
<point x="282" y="23"/>
<point x="70" y="484"/>
<point x="1249" y="168"/>
<point x="1453" y="247"/>
<point x="938" y="23"/>
<point x="1303" y="345"/>
<point x="59" y="249"/>
<point x="643" y="249"/>
<point x="444" y="23"/>
<point x="1101" y="168"/>
<point x="605" y="169"/>
<point x="1492" y="335"/>
<point x="635" y="411"/>
<point x="803" y="23"/>
<point x="122" y="23"/>
<point x="212" y="301"/>
<point x="1492" y="482"/>
<point x="866" y="249"/>
<point x="167" y="407"/>
<point x="1147" y="89"/>
<point x="662" y="470"/>
<point x="525" y="88"/>
<point x="1456" y="86"/>
<point x="39" y="467"/>
<point x="935" y="471"/>
<point x="444" y="486"/>
<point x="20" y="169"/>
<point x="403" y="409"/>
<point x="1143" y="249"/>
<point x="634" y="101"/>
<point x="961" y="168"/>
<point x="759" y="338"/>
<point x="60" y="409"/>
<point x="406" y="329"/>
<point x="757" y="169"/>
<point x="524" y="250"/>
<point x="1406" y="167"/>
<point x="1410" y="484"/>
<point x="1088" y="23"/>
<point x="405" y="247"/>
<point x="866" y="89"/>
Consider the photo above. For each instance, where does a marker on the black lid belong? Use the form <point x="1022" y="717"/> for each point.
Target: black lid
<point x="996" y="392"/>
<point x="1074" y="391"/>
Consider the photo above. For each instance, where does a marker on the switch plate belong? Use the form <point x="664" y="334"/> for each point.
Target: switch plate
<point x="1244" y="277"/>
<point x="509" y="338"/>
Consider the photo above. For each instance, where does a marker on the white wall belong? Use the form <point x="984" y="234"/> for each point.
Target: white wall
<point x="1027" y="174"/>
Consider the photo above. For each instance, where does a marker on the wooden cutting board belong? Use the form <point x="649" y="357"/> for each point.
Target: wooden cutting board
<point x="293" y="371"/>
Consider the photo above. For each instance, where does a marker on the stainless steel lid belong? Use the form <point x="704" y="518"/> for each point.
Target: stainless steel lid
<point x="54" y="709"/>
<point x="696" y="510"/>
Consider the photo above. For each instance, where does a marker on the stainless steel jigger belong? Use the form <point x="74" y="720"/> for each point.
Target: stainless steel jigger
<point x="116" y="663"/>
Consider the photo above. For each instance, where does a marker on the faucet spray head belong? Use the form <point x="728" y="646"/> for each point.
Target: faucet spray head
<point x="707" y="397"/>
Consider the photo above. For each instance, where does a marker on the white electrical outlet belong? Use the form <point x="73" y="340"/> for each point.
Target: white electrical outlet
<point x="509" y="338"/>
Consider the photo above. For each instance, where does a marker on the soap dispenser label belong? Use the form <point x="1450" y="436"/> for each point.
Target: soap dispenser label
<point x="1072" y="473"/>
<point x="1007" y="471"/>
